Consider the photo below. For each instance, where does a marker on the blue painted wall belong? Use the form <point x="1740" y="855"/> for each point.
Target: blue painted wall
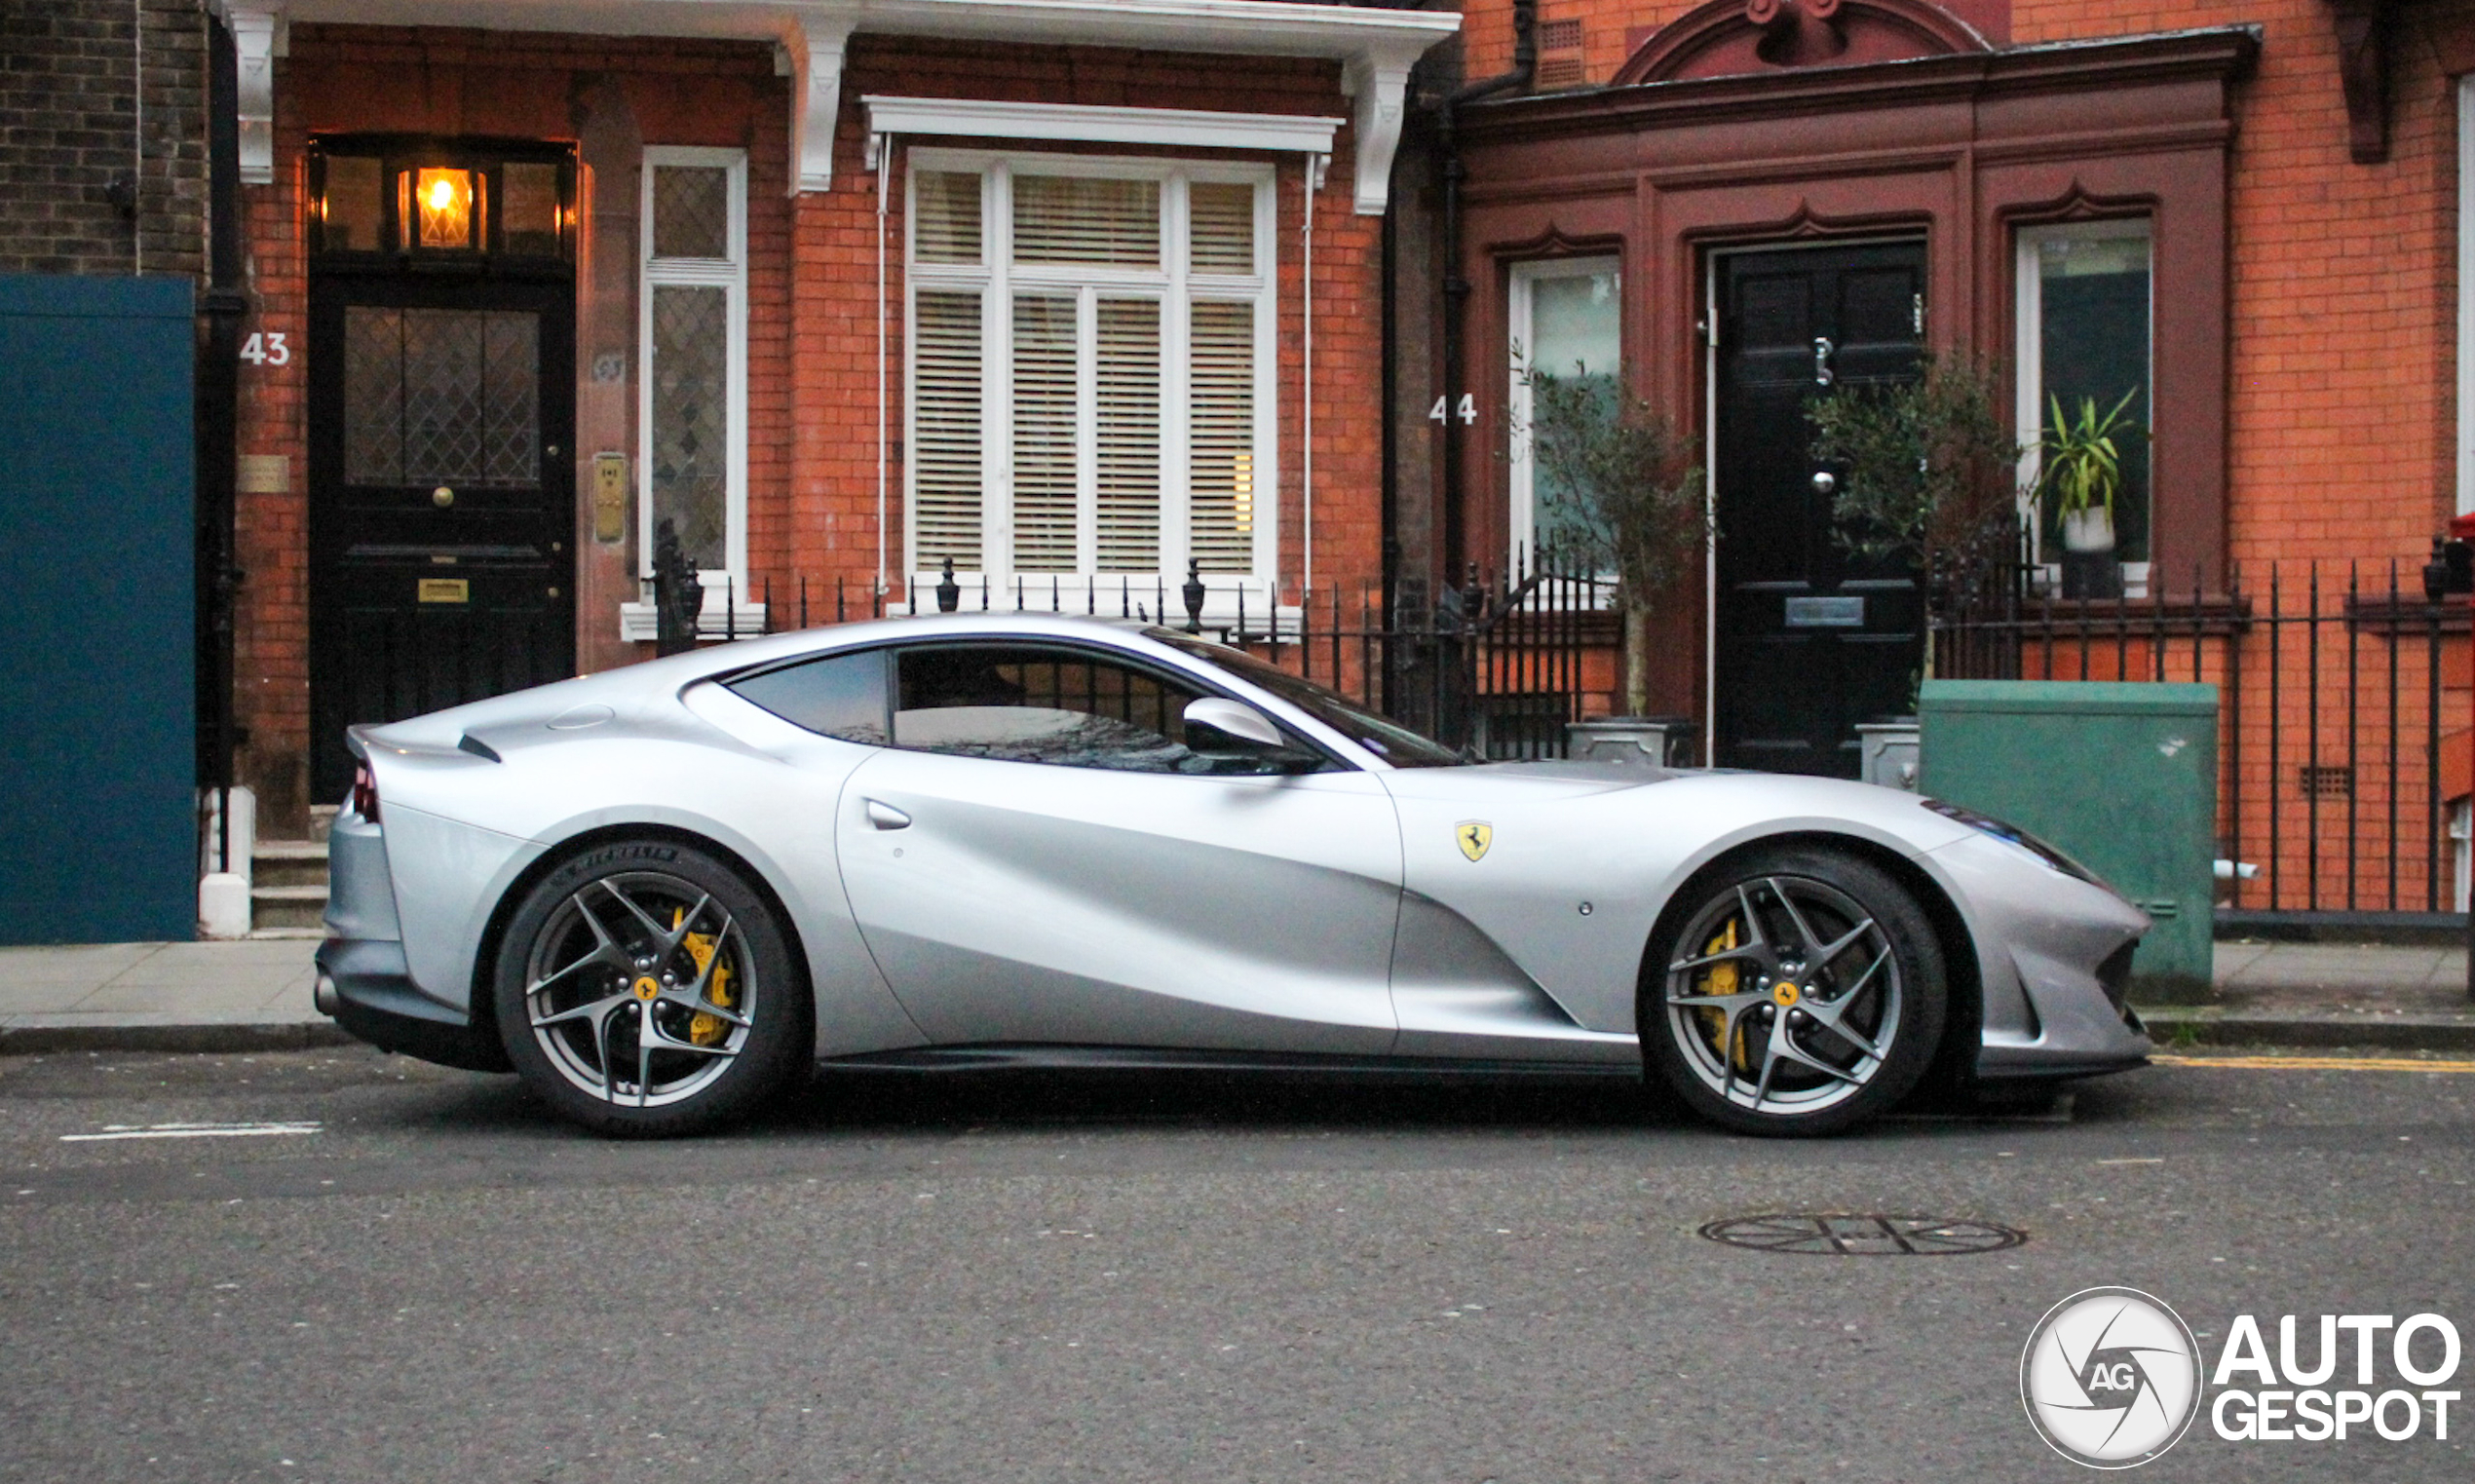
<point x="98" y="707"/>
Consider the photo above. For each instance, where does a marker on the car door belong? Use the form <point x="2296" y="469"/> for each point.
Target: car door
<point x="1039" y="857"/>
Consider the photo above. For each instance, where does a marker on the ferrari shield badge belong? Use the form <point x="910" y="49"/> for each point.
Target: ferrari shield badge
<point x="1474" y="837"/>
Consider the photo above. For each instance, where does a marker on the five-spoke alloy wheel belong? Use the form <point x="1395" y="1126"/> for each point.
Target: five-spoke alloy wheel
<point x="1801" y="991"/>
<point x="644" y="988"/>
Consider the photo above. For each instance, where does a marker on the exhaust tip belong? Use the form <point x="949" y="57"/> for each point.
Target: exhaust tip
<point x="325" y="997"/>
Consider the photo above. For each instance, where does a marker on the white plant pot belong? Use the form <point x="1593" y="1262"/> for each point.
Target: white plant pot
<point x="2088" y="530"/>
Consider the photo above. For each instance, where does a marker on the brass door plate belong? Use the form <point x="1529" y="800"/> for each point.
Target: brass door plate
<point x="610" y="496"/>
<point x="445" y="590"/>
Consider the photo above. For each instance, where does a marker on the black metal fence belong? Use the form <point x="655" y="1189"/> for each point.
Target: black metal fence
<point x="2341" y="739"/>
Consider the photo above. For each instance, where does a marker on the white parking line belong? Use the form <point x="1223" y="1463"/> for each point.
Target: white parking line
<point x="190" y="1131"/>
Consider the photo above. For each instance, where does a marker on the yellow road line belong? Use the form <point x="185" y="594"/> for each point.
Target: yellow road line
<point x="2316" y="1063"/>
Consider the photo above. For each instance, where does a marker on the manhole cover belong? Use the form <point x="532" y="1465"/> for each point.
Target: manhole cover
<point x="1863" y="1235"/>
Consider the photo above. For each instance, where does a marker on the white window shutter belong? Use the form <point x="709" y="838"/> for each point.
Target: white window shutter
<point x="1045" y="425"/>
<point x="1128" y="415"/>
<point x="1222" y="473"/>
<point x="945" y="451"/>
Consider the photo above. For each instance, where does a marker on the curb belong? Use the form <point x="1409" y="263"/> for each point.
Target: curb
<point x="33" y="1035"/>
<point x="2172" y="1025"/>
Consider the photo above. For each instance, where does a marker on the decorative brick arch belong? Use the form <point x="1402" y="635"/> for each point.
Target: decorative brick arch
<point x="1730" y="37"/>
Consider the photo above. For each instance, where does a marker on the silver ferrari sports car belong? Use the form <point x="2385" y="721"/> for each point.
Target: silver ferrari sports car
<point x="662" y="894"/>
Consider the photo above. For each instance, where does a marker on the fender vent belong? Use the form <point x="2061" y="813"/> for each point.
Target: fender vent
<point x="2113" y="976"/>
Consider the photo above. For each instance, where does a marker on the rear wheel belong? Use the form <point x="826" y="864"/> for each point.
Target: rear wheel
<point x="645" y="988"/>
<point x="1801" y="992"/>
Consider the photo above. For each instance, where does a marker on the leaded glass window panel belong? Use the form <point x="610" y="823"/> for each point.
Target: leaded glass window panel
<point x="691" y="210"/>
<point x="441" y="396"/>
<point x="691" y="418"/>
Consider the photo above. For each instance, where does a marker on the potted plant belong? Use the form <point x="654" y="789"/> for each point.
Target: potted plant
<point x="2081" y="471"/>
<point x="1623" y="495"/>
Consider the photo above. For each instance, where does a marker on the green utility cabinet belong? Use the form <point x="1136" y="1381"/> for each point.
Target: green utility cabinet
<point x="2122" y="777"/>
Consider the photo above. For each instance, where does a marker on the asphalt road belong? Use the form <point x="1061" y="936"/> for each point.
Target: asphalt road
<point x="1102" y="1279"/>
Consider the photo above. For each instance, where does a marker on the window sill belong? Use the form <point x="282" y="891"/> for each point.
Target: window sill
<point x="718" y="621"/>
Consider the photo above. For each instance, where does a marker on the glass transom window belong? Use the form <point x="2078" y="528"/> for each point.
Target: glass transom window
<point x="1089" y="367"/>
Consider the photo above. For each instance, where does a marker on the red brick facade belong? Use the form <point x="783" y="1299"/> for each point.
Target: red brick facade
<point x="2337" y="438"/>
<point x="813" y="341"/>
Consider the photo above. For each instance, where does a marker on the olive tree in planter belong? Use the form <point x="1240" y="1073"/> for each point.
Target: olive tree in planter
<point x="1932" y="473"/>
<point x="1620" y="492"/>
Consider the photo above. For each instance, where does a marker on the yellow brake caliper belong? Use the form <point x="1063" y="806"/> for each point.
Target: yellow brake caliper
<point x="1721" y="980"/>
<point x="703" y="1029"/>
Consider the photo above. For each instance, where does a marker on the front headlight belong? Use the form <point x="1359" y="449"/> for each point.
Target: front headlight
<point x="2012" y="834"/>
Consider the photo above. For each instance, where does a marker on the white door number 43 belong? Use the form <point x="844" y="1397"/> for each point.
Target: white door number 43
<point x="267" y="348"/>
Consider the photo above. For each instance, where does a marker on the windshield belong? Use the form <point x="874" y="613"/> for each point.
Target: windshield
<point x="1390" y="741"/>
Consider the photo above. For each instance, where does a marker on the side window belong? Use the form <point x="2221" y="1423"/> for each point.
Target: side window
<point x="839" y="696"/>
<point x="1034" y="703"/>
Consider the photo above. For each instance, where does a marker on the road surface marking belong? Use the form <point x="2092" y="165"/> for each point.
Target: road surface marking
<point x="189" y="1131"/>
<point x="2317" y="1063"/>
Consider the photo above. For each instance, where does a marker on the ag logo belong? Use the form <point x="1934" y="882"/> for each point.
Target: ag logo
<point x="1474" y="837"/>
<point x="2111" y="1378"/>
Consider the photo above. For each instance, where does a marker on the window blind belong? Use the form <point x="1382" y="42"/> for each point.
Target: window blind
<point x="1222" y="436"/>
<point x="945" y="390"/>
<point x="1044" y="427"/>
<point x="1128" y="417"/>
<point x="945" y="216"/>
<point x="1086" y="219"/>
<point x="1223" y="230"/>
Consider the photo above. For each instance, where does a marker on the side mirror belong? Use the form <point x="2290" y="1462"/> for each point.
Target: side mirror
<point x="1238" y="738"/>
<point x="1218" y="724"/>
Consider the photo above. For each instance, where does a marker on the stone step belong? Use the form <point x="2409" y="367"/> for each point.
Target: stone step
<point x="289" y="864"/>
<point x="287" y="906"/>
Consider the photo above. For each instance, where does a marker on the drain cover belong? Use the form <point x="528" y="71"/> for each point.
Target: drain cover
<point x="1863" y="1235"/>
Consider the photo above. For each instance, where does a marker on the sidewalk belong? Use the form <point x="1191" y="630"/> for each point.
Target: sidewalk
<point x="2329" y="993"/>
<point x="246" y="996"/>
<point x="254" y="996"/>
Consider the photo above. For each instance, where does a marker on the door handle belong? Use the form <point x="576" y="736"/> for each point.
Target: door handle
<point x="887" y="816"/>
<point x="1823" y="375"/>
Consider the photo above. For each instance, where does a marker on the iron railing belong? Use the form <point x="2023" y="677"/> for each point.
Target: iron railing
<point x="2334" y="781"/>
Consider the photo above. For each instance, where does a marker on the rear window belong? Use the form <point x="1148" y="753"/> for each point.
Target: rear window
<point x="839" y="695"/>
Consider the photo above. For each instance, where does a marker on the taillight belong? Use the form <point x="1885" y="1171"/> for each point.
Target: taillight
<point x="365" y="792"/>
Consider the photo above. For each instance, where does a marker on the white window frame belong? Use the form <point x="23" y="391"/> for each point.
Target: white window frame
<point x="996" y="278"/>
<point x="731" y="275"/>
<point x="2029" y="359"/>
<point x="1518" y="292"/>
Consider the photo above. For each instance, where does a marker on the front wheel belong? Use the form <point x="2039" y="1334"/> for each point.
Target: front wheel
<point x="645" y="988"/>
<point x="1801" y="991"/>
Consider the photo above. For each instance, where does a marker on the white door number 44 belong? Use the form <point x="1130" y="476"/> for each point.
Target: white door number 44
<point x="1467" y="411"/>
<point x="266" y="348"/>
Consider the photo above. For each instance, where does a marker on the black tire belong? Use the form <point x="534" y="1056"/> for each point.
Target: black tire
<point x="1854" y="971"/>
<point x="638" y="932"/>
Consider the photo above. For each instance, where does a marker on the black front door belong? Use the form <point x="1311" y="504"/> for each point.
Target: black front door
<point x="1812" y="638"/>
<point x="442" y="500"/>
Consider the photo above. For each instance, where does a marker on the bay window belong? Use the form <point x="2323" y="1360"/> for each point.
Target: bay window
<point x="1090" y="369"/>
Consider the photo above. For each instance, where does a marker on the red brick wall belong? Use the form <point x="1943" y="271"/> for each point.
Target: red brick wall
<point x="813" y="340"/>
